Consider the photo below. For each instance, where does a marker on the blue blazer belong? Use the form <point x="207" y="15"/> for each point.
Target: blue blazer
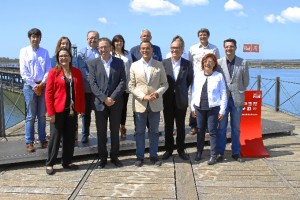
<point x="181" y="85"/>
<point x="103" y="86"/>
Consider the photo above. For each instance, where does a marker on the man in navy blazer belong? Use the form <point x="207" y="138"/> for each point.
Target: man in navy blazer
<point x="236" y="73"/>
<point x="179" y="73"/>
<point x="108" y="82"/>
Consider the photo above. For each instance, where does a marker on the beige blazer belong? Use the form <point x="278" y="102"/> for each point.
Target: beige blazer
<point x="139" y="86"/>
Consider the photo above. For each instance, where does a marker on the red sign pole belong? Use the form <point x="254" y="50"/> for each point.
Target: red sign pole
<point x="251" y="130"/>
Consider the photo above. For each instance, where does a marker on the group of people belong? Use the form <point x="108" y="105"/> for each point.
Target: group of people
<point x="103" y="75"/>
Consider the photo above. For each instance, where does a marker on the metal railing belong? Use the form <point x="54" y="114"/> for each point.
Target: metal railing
<point x="2" y="126"/>
<point x="15" y="109"/>
<point x="281" y="95"/>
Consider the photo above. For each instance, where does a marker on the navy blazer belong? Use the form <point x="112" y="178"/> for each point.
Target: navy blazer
<point x="103" y="87"/>
<point x="181" y="85"/>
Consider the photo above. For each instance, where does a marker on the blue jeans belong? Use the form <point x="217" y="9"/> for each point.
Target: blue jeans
<point x="209" y="119"/>
<point x="140" y="122"/>
<point x="35" y="108"/>
<point x="235" y="119"/>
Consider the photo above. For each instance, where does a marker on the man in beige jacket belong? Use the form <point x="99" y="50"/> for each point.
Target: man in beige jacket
<point x="147" y="84"/>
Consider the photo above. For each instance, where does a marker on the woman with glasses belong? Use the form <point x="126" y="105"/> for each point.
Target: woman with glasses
<point x="208" y="104"/>
<point x="64" y="101"/>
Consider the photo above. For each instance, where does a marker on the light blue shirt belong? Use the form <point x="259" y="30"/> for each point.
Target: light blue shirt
<point x="85" y="55"/>
<point x="34" y="65"/>
<point x="107" y="65"/>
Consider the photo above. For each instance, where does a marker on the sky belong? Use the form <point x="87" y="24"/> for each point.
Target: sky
<point x="273" y="24"/>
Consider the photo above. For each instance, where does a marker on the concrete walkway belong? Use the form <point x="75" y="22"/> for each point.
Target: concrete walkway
<point x="276" y="177"/>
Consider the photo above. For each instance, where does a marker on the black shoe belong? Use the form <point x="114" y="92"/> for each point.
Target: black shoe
<point x="212" y="160"/>
<point x="116" y="162"/>
<point x="139" y="162"/>
<point x="220" y="158"/>
<point x="183" y="155"/>
<point x="85" y="139"/>
<point x="102" y="163"/>
<point x="155" y="161"/>
<point x="167" y="155"/>
<point x="50" y="171"/>
<point x="237" y="158"/>
<point x="71" y="167"/>
<point x="198" y="156"/>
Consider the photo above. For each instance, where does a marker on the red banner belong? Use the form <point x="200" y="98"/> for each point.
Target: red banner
<point x="251" y="130"/>
<point x="251" y="48"/>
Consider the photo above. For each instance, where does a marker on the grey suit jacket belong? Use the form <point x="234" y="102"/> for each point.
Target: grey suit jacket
<point x="139" y="86"/>
<point x="239" y="82"/>
<point x="103" y="86"/>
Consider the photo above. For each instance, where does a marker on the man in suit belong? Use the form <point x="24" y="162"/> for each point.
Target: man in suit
<point x="147" y="83"/>
<point x="86" y="54"/>
<point x="145" y="37"/>
<point x="179" y="73"/>
<point x="108" y="82"/>
<point x="236" y="73"/>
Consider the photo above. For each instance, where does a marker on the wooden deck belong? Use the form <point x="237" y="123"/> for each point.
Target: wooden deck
<point x="13" y="150"/>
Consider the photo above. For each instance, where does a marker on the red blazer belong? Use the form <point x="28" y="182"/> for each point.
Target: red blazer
<point x="55" y="94"/>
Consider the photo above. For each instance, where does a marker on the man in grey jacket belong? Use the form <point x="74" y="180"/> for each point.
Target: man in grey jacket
<point x="236" y="73"/>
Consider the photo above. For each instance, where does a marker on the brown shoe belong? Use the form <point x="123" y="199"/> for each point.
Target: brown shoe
<point x="123" y="131"/>
<point x="193" y="131"/>
<point x="76" y="142"/>
<point x="30" y="148"/>
<point x="44" y="144"/>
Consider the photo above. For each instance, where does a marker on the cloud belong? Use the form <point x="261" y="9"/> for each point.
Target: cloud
<point x="195" y="2"/>
<point x="154" y="7"/>
<point x="241" y="13"/>
<point x="233" y="5"/>
<point x="291" y="14"/>
<point x="102" y="20"/>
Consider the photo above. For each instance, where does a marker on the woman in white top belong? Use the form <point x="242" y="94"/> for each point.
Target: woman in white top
<point x="118" y="50"/>
<point x="208" y="104"/>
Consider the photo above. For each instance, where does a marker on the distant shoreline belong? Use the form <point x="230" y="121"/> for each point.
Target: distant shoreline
<point x="278" y="64"/>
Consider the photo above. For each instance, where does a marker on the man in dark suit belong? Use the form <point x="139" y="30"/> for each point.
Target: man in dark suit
<point x="175" y="100"/>
<point x="145" y="37"/>
<point x="108" y="82"/>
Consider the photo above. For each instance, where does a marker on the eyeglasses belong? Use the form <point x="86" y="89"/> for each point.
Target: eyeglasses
<point x="175" y="48"/>
<point x="64" y="56"/>
<point x="104" y="47"/>
<point x="93" y="38"/>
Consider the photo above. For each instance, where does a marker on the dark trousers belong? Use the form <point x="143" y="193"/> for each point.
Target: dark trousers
<point x="124" y="110"/>
<point x="192" y="121"/>
<point x="86" y="118"/>
<point x="114" y="118"/>
<point x="207" y="118"/>
<point x="64" y="126"/>
<point x="171" y="113"/>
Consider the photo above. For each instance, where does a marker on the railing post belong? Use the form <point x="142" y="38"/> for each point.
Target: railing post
<point x="277" y="94"/>
<point x="2" y="124"/>
<point x="258" y="82"/>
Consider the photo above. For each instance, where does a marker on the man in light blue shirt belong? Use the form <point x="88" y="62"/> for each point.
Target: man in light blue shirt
<point x="88" y="53"/>
<point x="34" y="66"/>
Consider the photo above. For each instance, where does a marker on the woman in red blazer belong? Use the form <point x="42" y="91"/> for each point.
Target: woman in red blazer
<point x="64" y="101"/>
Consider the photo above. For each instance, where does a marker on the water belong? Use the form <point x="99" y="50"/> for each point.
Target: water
<point x="16" y="113"/>
<point x="14" y="108"/>
<point x="289" y="87"/>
